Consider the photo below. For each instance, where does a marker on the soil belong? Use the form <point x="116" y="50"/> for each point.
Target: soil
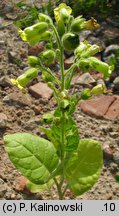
<point x="24" y="115"/>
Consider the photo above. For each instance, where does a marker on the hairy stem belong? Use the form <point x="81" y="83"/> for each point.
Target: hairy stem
<point x="61" y="56"/>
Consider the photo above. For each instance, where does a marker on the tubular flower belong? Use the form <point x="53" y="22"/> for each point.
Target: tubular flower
<point x="77" y="23"/>
<point x="62" y="12"/>
<point x="25" y="78"/>
<point x="90" y="24"/>
<point x="93" y="63"/>
<point x="99" y="89"/>
<point x="85" y="50"/>
<point x="16" y="83"/>
<point x="35" y="33"/>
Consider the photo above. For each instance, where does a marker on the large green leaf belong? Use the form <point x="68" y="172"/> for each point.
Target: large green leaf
<point x="39" y="188"/>
<point x="33" y="156"/>
<point x="83" y="169"/>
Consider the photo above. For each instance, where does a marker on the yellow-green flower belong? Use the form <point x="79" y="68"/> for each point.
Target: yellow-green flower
<point x="35" y="33"/>
<point x="62" y="12"/>
<point x="99" y="89"/>
<point x="92" y="63"/>
<point x="16" y="83"/>
<point x="85" y="50"/>
<point x="90" y="24"/>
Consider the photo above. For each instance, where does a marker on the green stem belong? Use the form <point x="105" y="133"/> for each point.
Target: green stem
<point x="61" y="56"/>
<point x="61" y="61"/>
<point x="41" y="67"/>
<point x="60" y="194"/>
<point x="71" y="69"/>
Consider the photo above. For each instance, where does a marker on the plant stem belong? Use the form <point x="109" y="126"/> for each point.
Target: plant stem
<point x="41" y="67"/>
<point x="60" y="194"/>
<point x="61" y="61"/>
<point x="61" y="56"/>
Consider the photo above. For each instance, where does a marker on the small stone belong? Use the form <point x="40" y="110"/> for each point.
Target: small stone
<point x="3" y="190"/>
<point x="97" y="106"/>
<point x="14" y="57"/>
<point x="11" y="16"/>
<point x="116" y="83"/>
<point x="3" y="120"/>
<point x="21" y="184"/>
<point x="113" y="167"/>
<point x="68" y="62"/>
<point x="37" y="110"/>
<point x="1" y="142"/>
<point x="116" y="157"/>
<point x="108" y="152"/>
<point x="114" y="134"/>
<point x="5" y="81"/>
<point x="41" y="90"/>
<point x="111" y="49"/>
<point x="18" y="99"/>
<point x="106" y="128"/>
<point x="85" y="78"/>
<point x="113" y="111"/>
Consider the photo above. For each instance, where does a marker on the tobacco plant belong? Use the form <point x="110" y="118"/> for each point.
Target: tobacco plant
<point x="63" y="159"/>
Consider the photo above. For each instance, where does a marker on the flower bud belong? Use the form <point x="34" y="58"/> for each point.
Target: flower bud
<point x="64" y="104"/>
<point x="47" y="77"/>
<point x="64" y="15"/>
<point x="81" y="48"/>
<point x="85" y="94"/>
<point x="47" y="118"/>
<point x="62" y="12"/>
<point x="64" y="94"/>
<point x="60" y="28"/>
<point x="76" y="25"/>
<point x="70" y="41"/>
<point x="48" y="56"/>
<point x="33" y="61"/>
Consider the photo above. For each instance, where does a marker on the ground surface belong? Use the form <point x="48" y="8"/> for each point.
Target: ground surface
<point x="19" y="112"/>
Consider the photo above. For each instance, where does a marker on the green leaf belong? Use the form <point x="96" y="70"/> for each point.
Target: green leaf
<point x="71" y="131"/>
<point x="39" y="188"/>
<point x="83" y="169"/>
<point x="72" y="135"/>
<point x="33" y="156"/>
<point x="51" y="136"/>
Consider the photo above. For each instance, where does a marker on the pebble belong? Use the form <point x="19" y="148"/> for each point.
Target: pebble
<point x="3" y="190"/>
<point x="3" y="120"/>
<point x="106" y="128"/>
<point x="116" y="83"/>
<point x="108" y="152"/>
<point x="41" y="90"/>
<point x="18" y="99"/>
<point x="85" y="78"/>
<point x="116" y="157"/>
<point x="5" y="81"/>
<point x="114" y="134"/>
